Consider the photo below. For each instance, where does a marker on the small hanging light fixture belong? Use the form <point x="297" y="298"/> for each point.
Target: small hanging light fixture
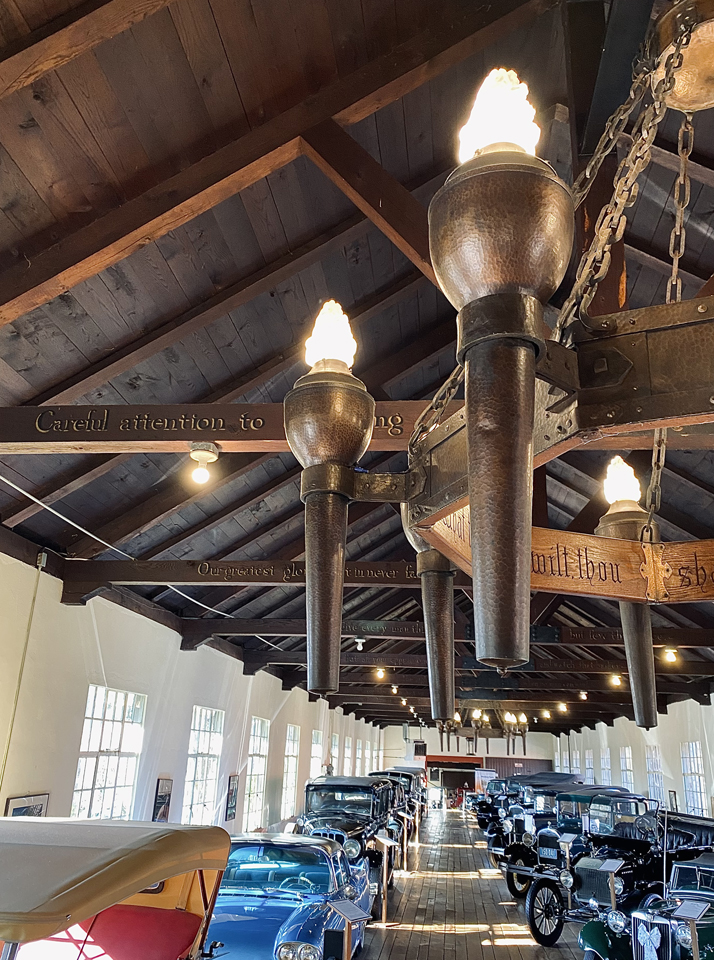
<point x="670" y="655"/>
<point x="380" y="673"/>
<point x="203" y="453"/>
<point x="395" y="688"/>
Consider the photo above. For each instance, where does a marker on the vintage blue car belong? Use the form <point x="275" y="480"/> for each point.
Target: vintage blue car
<point x="274" y="899"/>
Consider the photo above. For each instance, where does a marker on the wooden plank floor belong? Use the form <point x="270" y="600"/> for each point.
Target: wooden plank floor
<point x="453" y="905"/>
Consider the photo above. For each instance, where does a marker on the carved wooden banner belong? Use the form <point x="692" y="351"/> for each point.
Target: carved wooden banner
<point x="588" y="565"/>
<point x="234" y="427"/>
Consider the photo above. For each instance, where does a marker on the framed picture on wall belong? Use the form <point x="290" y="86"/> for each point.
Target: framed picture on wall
<point x="232" y="798"/>
<point x="162" y="800"/>
<point x="673" y="802"/>
<point x="33" y="806"/>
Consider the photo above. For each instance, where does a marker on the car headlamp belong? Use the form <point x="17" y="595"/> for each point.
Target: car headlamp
<point x="502" y="812"/>
<point x="616" y="921"/>
<point x="683" y="935"/>
<point x="528" y="839"/>
<point x="352" y="848"/>
<point x="507" y="826"/>
<point x="619" y="885"/>
<point x="567" y="879"/>
<point x="298" y="951"/>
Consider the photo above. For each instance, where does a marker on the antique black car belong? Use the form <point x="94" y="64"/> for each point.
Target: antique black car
<point x="619" y="865"/>
<point x="353" y="811"/>
<point x="487" y="807"/>
<point x="413" y="783"/>
<point x="676" y="925"/>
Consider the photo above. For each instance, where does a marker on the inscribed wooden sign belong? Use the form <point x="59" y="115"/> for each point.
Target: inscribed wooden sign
<point x="588" y="565"/>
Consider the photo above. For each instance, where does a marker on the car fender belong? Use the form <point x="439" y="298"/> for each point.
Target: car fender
<point x="519" y="851"/>
<point x="595" y="936"/>
<point x="307" y="924"/>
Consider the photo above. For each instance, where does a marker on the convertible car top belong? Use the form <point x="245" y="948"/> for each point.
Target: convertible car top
<point x="57" y="873"/>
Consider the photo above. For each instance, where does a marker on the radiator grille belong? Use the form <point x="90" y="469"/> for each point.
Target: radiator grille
<point x="549" y="852"/>
<point x="639" y="921"/>
<point x="594" y="883"/>
<point x="337" y="835"/>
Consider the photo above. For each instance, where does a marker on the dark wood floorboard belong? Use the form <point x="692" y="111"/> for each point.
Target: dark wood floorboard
<point x="452" y="905"/>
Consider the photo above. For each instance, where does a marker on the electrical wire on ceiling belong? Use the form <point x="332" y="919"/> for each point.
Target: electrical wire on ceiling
<point x="123" y="553"/>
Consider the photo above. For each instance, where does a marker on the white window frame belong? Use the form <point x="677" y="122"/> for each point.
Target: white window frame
<point x="589" y="766"/>
<point x="556" y="758"/>
<point x="347" y="758"/>
<point x="290" y="771"/>
<point x="695" y="789"/>
<point x="316" y="754"/>
<point x="335" y="752"/>
<point x="109" y="752"/>
<point x="655" y="775"/>
<point x="575" y="760"/>
<point x="605" y="767"/>
<point x="204" y="758"/>
<point x="565" y="761"/>
<point x="358" y="758"/>
<point x="627" y="770"/>
<point x="256" y="775"/>
<point x="367" y="757"/>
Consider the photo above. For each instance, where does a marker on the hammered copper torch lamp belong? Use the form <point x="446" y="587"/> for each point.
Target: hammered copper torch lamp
<point x="626" y="520"/>
<point x="329" y="418"/>
<point x="501" y="234"/>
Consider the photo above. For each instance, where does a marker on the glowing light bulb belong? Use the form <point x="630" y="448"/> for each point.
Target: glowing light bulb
<point x="395" y="688"/>
<point x="457" y="717"/>
<point x="404" y="702"/>
<point x="545" y="714"/>
<point x="670" y="655"/>
<point x="616" y="680"/>
<point x="203" y="454"/>
<point x="583" y="695"/>
<point x="563" y="707"/>
<point x="331" y="336"/>
<point x="201" y="475"/>
<point x="621" y="482"/>
<point x="501" y="114"/>
<point x="476" y="714"/>
<point x="360" y="643"/>
<point x="412" y="709"/>
<point x="522" y="718"/>
<point x="380" y="673"/>
<point x="485" y="717"/>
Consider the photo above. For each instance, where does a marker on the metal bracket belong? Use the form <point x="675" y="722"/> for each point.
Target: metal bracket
<point x="655" y="571"/>
<point x="363" y="486"/>
<point x="383" y="487"/>
<point x="558" y="366"/>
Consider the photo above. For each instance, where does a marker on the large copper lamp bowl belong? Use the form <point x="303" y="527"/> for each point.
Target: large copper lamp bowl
<point x="694" y="81"/>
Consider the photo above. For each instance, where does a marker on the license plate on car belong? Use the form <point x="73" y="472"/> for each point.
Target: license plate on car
<point x="548" y="852"/>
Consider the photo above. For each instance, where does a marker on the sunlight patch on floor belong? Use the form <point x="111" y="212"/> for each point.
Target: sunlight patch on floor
<point x="483" y="873"/>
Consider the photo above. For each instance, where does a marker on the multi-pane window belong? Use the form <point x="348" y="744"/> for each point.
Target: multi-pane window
<point x="627" y="773"/>
<point x="565" y="761"/>
<point x="695" y="795"/>
<point x="255" y="776"/>
<point x="605" y="770"/>
<point x="556" y="759"/>
<point x="589" y="767"/>
<point x="290" y="771"/>
<point x="109" y="753"/>
<point x="367" y="757"/>
<point x="335" y="752"/>
<point x="358" y="758"/>
<point x="204" y="756"/>
<point x="347" y="766"/>
<point x="575" y="761"/>
<point x="316" y="754"/>
<point x="655" y="777"/>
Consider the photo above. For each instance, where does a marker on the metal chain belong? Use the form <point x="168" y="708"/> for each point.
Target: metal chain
<point x="654" y="490"/>
<point x="677" y="240"/>
<point x="431" y="417"/>
<point x="610" y="225"/>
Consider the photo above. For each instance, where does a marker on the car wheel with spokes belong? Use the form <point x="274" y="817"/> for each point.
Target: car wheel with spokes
<point x="518" y="883"/>
<point x="545" y="912"/>
<point x="493" y="859"/>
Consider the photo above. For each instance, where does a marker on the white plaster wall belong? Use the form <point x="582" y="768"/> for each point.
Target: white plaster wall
<point x="686" y="721"/>
<point x="71" y="647"/>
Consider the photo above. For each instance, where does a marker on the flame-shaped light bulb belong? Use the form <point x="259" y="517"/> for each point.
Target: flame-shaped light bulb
<point x="621" y="482"/>
<point x="522" y="718"/>
<point x="331" y="337"/>
<point x="501" y="114"/>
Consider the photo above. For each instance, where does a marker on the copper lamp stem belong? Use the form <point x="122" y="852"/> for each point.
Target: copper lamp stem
<point x="437" y="591"/>
<point x="639" y="651"/>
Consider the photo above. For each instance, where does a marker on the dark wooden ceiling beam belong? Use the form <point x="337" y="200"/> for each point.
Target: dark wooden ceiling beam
<point x="264" y="149"/>
<point x="67" y="37"/>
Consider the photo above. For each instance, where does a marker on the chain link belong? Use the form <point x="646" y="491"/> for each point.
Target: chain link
<point x="431" y="417"/>
<point x="654" y="490"/>
<point x="677" y="240"/>
<point x="610" y="225"/>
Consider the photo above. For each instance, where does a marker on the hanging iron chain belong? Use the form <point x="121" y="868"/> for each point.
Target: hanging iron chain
<point x="653" y="499"/>
<point x="677" y="240"/>
<point x="610" y="225"/>
<point x="431" y="417"/>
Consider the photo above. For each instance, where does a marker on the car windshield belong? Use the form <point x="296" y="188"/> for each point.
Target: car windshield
<point x="324" y="799"/>
<point x="571" y="810"/>
<point x="495" y="787"/>
<point x="687" y="876"/>
<point x="543" y="804"/>
<point x="255" y="868"/>
<point x="614" y="816"/>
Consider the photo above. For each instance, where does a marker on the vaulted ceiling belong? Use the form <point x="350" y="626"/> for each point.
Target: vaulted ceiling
<point x="182" y="183"/>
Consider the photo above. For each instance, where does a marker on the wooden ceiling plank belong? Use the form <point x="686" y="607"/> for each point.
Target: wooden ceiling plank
<point x="245" y="161"/>
<point x="68" y="37"/>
